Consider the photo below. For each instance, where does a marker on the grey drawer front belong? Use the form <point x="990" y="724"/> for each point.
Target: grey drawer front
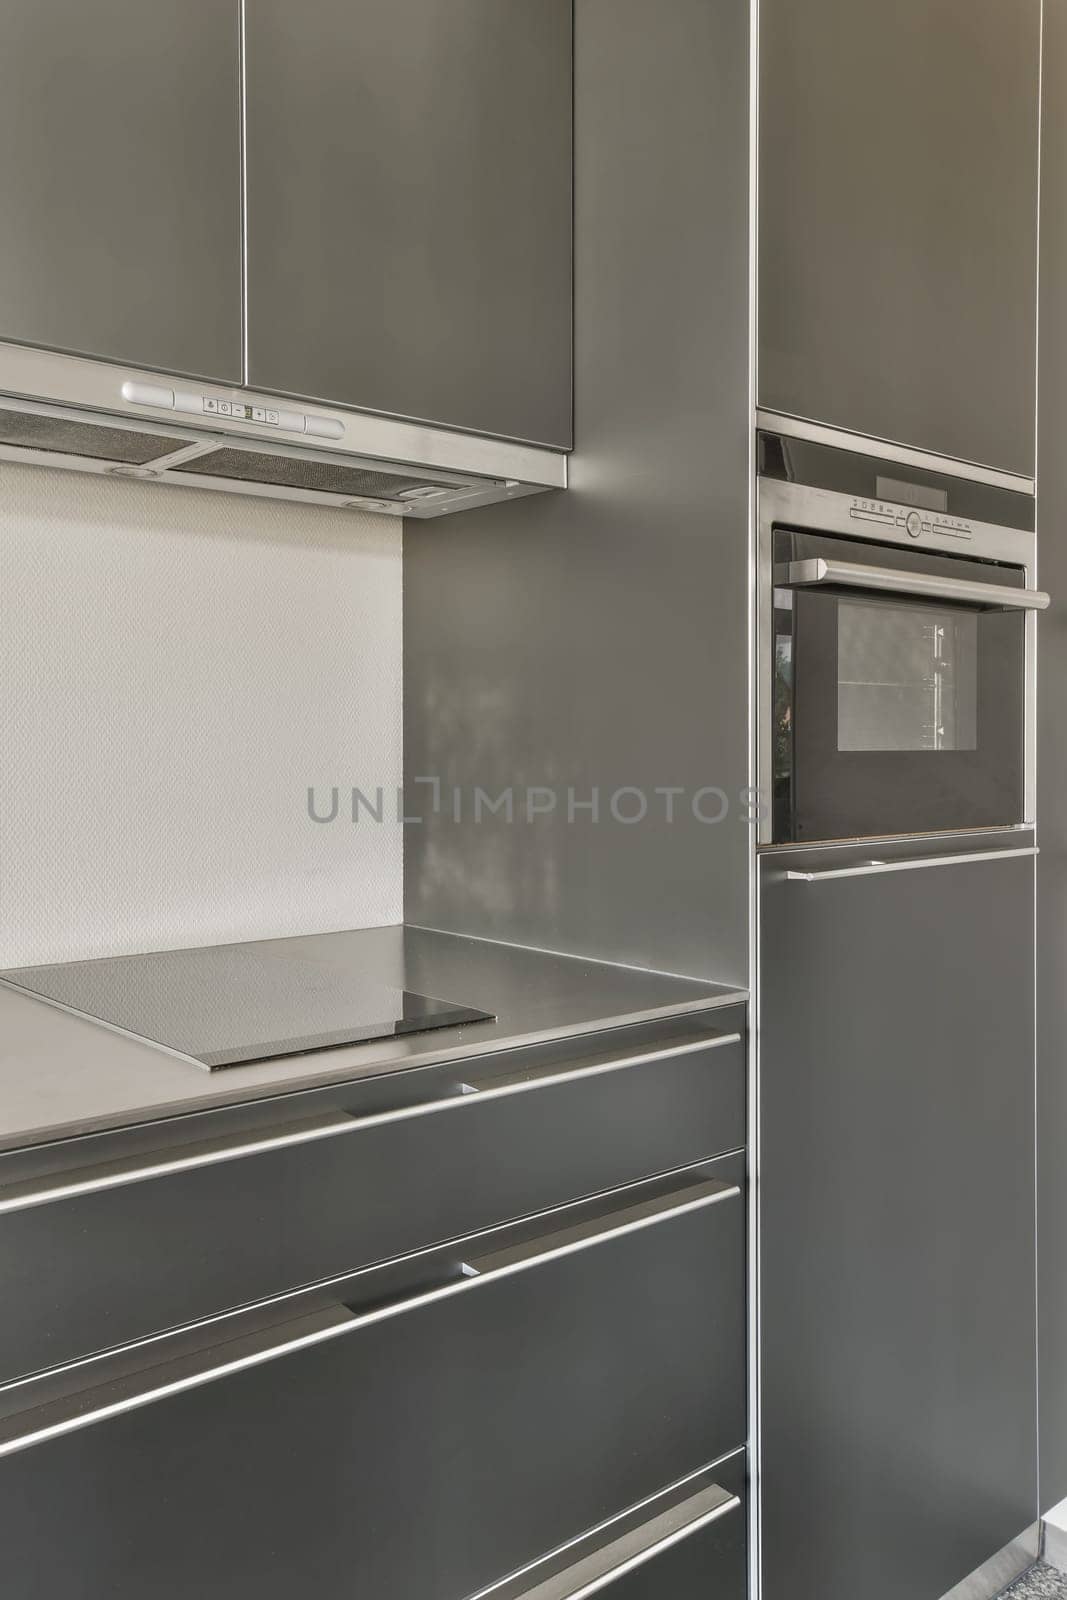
<point x="689" y="1543"/>
<point x="711" y="1565"/>
<point x="424" y="1450"/>
<point x="95" y="1269"/>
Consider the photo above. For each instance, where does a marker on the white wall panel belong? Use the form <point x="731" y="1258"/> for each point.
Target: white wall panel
<point x="176" y="667"/>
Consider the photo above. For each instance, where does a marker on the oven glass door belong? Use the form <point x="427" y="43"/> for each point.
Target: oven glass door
<point x="895" y="715"/>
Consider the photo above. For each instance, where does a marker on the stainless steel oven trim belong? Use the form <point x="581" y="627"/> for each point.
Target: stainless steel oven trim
<point x="798" y="506"/>
<point x="906" y="455"/>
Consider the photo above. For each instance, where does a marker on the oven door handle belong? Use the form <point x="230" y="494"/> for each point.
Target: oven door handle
<point x="908" y="864"/>
<point x="820" y="570"/>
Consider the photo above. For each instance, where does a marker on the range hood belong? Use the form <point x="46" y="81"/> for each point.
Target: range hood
<point x="92" y="416"/>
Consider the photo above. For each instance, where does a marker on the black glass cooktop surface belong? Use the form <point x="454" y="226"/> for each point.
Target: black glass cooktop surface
<point x="227" y="1005"/>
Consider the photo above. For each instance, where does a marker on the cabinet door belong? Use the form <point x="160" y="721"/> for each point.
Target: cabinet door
<point x="897" y="1222"/>
<point x="419" y="1446"/>
<point x="409" y="208"/>
<point x="120" y="180"/>
<point x="898" y="195"/>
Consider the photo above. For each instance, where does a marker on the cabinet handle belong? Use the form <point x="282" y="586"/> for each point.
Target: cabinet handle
<point x="596" y="1566"/>
<point x="74" y="1183"/>
<point x="543" y="1077"/>
<point x="112" y="1397"/>
<point x="870" y="868"/>
<point x="597" y="1229"/>
<point x="891" y="580"/>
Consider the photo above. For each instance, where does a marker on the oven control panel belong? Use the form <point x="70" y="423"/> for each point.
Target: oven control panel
<point x="917" y="524"/>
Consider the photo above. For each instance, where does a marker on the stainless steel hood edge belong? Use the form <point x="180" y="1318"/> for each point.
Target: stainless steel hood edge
<point x="455" y="470"/>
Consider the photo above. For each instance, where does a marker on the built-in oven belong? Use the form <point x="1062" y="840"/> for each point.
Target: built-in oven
<point x="895" y="645"/>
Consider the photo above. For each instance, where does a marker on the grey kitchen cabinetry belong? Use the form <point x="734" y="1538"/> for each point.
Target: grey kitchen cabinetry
<point x="711" y="1564"/>
<point x="898" y="197"/>
<point x="896" y="1220"/>
<point x="409" y="208"/>
<point x="1052" y="774"/>
<point x="425" y="1430"/>
<point x="184" y="1219"/>
<point x="120" y="183"/>
<point x="688" y="1543"/>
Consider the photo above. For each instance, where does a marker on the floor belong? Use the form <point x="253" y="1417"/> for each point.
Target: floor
<point x="1040" y="1583"/>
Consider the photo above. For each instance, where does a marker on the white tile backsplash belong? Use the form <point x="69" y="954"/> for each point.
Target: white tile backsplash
<point x="176" y="667"/>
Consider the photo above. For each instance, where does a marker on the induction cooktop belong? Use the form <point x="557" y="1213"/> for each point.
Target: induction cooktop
<point x="227" y="1005"/>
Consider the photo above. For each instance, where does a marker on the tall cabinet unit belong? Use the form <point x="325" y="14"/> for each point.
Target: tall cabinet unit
<point x="120" y="181"/>
<point x="409" y="208"/>
<point x="898" y="1389"/>
<point x="898" y="200"/>
<point x="1052" y="772"/>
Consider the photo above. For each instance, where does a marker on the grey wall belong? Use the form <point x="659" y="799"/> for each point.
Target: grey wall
<point x="598" y="637"/>
<point x="1052" y="770"/>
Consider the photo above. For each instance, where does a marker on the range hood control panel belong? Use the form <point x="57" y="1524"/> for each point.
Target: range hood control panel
<point x="205" y="405"/>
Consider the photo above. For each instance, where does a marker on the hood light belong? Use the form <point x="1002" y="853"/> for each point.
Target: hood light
<point x="426" y="491"/>
<point x="376" y="505"/>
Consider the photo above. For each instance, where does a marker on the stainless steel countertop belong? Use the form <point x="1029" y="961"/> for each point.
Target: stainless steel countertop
<point x="62" y="1075"/>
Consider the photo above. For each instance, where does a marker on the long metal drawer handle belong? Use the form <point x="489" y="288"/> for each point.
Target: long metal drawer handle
<point x="605" y="1565"/>
<point x="48" y="1421"/>
<point x="135" y="1169"/>
<point x="870" y="868"/>
<point x="890" y="580"/>
<point x="544" y="1077"/>
<point x="598" y="1229"/>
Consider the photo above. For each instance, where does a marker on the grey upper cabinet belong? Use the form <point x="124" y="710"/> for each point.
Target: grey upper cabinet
<point x="898" y="198"/>
<point x="409" y="208"/>
<point x="120" y="180"/>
